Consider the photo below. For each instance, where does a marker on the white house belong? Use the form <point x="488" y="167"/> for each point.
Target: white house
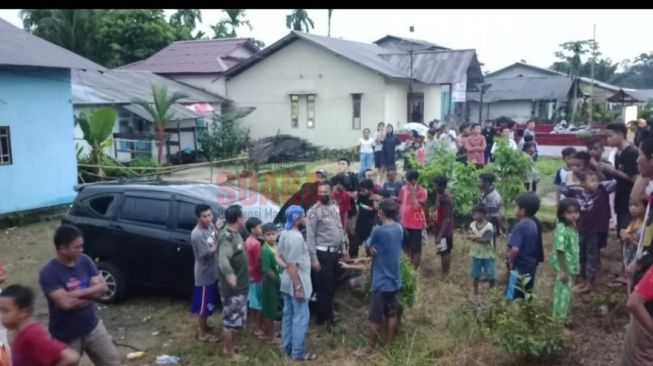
<point x="327" y="90"/>
<point x="134" y="134"/>
<point x="199" y="63"/>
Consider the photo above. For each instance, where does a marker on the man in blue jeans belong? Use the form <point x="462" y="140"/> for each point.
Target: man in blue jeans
<point x="296" y="286"/>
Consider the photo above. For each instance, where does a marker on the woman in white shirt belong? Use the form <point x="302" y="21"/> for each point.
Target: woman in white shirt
<point x="379" y="137"/>
<point x="505" y="133"/>
<point x="366" y="153"/>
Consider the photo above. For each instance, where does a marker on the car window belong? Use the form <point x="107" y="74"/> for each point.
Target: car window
<point x="100" y="205"/>
<point x="186" y="216"/>
<point x="145" y="210"/>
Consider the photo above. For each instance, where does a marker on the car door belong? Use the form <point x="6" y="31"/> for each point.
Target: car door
<point x="144" y="222"/>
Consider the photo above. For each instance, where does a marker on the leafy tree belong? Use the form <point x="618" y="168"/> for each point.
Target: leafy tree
<point x="298" y="20"/>
<point x="235" y="19"/>
<point x="572" y="62"/>
<point x="638" y="73"/>
<point x="160" y="111"/>
<point x="97" y="126"/>
<point x="73" y="29"/>
<point x="220" y="30"/>
<point x="510" y="167"/>
<point x="186" y="18"/>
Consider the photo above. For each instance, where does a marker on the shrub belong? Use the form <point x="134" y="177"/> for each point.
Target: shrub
<point x="510" y="167"/>
<point x="409" y="283"/>
<point x="143" y="163"/>
<point x="224" y="139"/>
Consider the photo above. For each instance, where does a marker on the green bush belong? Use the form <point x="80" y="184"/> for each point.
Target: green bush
<point x="409" y="283"/>
<point x="143" y="163"/>
<point x="224" y="139"/>
<point x="510" y="167"/>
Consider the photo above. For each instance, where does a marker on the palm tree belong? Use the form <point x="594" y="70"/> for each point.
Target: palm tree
<point x="72" y="29"/>
<point x="186" y="17"/>
<point x="159" y="110"/>
<point x="330" y="13"/>
<point x="236" y="19"/>
<point x="97" y="127"/>
<point x="298" y="20"/>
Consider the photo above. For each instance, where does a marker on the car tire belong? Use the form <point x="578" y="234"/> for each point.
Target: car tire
<point x="116" y="285"/>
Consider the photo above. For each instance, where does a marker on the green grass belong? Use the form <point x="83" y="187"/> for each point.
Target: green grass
<point x="547" y="167"/>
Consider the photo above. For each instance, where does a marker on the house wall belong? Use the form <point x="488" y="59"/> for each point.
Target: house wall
<point x="515" y="71"/>
<point x="304" y="68"/>
<point x="396" y="102"/>
<point x="432" y="100"/>
<point x="35" y="104"/>
<point x="212" y="83"/>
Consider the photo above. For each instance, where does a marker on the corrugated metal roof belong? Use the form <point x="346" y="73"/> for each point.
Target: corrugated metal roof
<point x="199" y="56"/>
<point x="21" y="48"/>
<point x="418" y="42"/>
<point x="436" y="67"/>
<point x="126" y="86"/>
<point x="433" y="67"/>
<point x="525" y="88"/>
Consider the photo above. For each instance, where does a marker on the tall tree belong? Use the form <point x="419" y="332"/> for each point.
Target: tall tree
<point x="330" y="14"/>
<point x="186" y="18"/>
<point x="637" y="73"/>
<point x="235" y="20"/>
<point x="160" y="111"/>
<point x="298" y="20"/>
<point x="572" y="62"/>
<point x="73" y="29"/>
<point x="220" y="30"/>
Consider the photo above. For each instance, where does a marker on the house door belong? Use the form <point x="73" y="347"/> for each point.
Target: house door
<point x="415" y="107"/>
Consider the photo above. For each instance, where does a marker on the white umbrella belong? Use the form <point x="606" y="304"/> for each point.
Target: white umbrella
<point x="421" y="129"/>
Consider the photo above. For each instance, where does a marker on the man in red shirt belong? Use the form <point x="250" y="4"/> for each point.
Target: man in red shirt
<point x="32" y="345"/>
<point x="412" y="198"/>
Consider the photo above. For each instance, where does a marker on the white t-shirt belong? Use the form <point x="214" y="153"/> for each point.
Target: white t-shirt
<point x="511" y="144"/>
<point x="367" y="146"/>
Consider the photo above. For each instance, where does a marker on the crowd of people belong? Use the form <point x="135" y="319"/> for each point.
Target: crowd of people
<point x="268" y="280"/>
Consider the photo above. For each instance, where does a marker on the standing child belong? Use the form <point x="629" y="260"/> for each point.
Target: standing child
<point x="492" y="201"/>
<point x="632" y="234"/>
<point x="366" y="216"/>
<point x="594" y="201"/>
<point x="532" y="178"/>
<point x="523" y="248"/>
<point x="562" y="173"/>
<point x="32" y="346"/>
<point x="385" y="247"/>
<point x="412" y="198"/>
<point x="565" y="261"/>
<point x="253" y="247"/>
<point x="443" y="223"/>
<point x="482" y="248"/>
<point x="270" y="283"/>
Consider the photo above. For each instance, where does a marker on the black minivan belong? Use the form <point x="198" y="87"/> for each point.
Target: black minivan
<point x="138" y="233"/>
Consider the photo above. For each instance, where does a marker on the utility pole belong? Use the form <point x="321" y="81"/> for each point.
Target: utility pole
<point x="591" y="121"/>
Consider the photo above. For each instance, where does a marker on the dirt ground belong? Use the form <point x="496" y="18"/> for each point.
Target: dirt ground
<point x="161" y="323"/>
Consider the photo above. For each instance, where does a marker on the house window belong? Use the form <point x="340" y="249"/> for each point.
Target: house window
<point x="310" y="111"/>
<point x="294" y="111"/>
<point x="356" y="106"/>
<point x="5" y="146"/>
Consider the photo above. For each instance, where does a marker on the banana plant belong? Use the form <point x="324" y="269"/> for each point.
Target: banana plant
<point x="97" y="126"/>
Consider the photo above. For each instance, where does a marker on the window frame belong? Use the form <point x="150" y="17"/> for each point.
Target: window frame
<point x="310" y="110"/>
<point x="8" y="154"/>
<point x="356" y="100"/>
<point x="294" y="110"/>
<point x="110" y="207"/>
<point x="166" y="200"/>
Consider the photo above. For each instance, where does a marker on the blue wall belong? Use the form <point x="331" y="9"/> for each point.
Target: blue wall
<point x="35" y="103"/>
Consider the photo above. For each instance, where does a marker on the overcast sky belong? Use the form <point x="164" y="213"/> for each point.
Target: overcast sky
<point x="500" y="37"/>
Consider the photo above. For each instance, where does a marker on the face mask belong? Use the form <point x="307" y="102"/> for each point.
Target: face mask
<point x="325" y="198"/>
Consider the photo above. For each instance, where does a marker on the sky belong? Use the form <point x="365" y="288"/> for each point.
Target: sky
<point x="500" y="37"/>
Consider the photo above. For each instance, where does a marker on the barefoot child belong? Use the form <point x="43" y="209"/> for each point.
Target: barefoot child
<point x="443" y="223"/>
<point x="253" y="246"/>
<point x="565" y="262"/>
<point x="482" y="247"/>
<point x="32" y="346"/>
<point x="594" y="201"/>
<point x="270" y="283"/>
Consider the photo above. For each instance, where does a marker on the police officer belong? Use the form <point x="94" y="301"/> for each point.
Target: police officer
<point x="325" y="239"/>
<point x="233" y="278"/>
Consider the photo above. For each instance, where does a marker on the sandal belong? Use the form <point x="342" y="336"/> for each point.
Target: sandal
<point x="308" y="356"/>
<point x="208" y="338"/>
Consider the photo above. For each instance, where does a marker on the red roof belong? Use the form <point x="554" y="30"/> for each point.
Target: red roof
<point x="200" y="56"/>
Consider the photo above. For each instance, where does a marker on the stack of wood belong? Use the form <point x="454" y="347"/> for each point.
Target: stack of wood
<point x="282" y="148"/>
